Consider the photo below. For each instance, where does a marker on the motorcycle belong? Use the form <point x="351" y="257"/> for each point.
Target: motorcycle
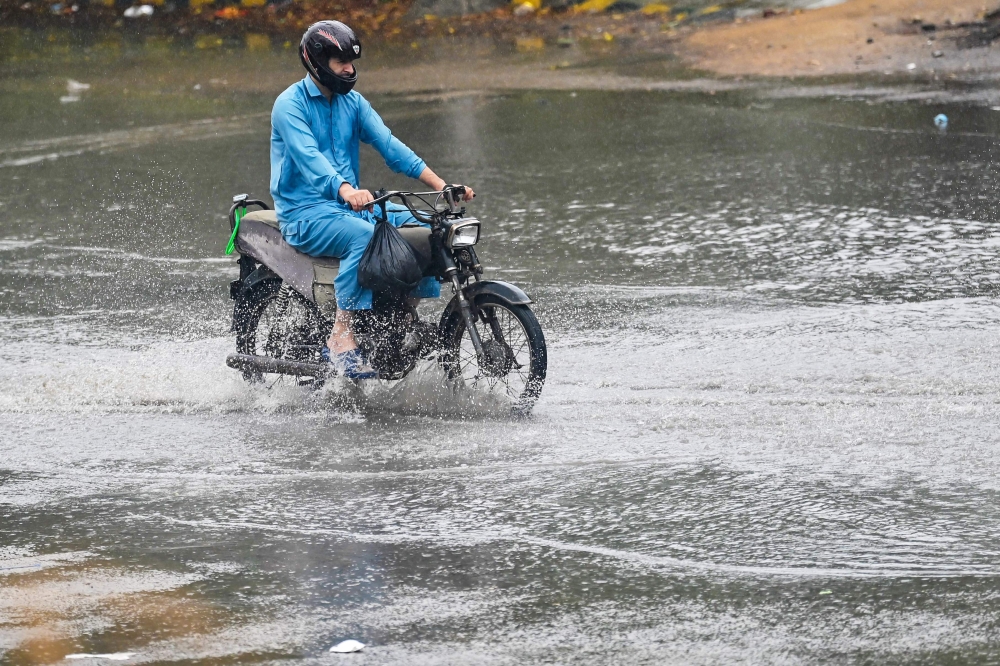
<point x="486" y="338"/>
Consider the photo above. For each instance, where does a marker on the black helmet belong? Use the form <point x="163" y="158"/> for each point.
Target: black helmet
<point x="325" y="40"/>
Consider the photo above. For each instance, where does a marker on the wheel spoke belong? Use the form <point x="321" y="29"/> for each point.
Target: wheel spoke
<point x="501" y="331"/>
<point x="506" y="382"/>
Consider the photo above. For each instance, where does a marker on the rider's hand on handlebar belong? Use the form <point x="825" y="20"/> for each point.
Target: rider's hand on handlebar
<point x="469" y="194"/>
<point x="358" y="199"/>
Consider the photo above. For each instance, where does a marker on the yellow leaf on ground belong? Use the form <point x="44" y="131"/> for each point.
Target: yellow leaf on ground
<point x="655" y="8"/>
<point x="530" y="43"/>
<point x="208" y="42"/>
<point x="593" y="5"/>
<point x="257" y="42"/>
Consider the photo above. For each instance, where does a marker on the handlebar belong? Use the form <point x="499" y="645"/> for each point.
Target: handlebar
<point x="457" y="192"/>
<point x="452" y="195"/>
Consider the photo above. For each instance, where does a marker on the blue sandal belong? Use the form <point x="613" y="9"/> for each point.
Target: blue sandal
<point x="351" y="364"/>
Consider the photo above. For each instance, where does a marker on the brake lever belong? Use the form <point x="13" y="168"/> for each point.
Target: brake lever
<point x="379" y="194"/>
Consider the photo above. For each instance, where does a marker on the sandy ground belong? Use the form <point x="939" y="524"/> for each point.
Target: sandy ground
<point x="888" y="49"/>
<point x="859" y="36"/>
<point x="893" y="49"/>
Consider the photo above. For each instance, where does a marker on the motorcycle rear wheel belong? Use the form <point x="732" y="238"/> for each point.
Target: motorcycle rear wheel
<point x="271" y="321"/>
<point x="514" y="345"/>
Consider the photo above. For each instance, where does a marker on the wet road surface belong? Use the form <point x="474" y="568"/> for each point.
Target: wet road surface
<point x="769" y="432"/>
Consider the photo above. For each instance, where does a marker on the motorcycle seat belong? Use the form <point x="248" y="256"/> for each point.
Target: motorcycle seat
<point x="416" y="235"/>
<point x="260" y="237"/>
<point x="268" y="217"/>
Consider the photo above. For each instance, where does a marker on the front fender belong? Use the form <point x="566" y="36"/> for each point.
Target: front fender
<point x="473" y="292"/>
<point x="505" y="290"/>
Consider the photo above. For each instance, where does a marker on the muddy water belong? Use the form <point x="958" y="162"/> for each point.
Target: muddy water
<point x="769" y="433"/>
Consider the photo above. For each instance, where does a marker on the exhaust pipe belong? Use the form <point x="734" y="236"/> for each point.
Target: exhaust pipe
<point x="250" y="362"/>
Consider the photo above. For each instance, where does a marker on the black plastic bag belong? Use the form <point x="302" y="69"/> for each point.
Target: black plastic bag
<point x="389" y="263"/>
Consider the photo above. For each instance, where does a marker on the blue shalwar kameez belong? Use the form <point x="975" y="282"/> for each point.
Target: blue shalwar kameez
<point x="314" y="150"/>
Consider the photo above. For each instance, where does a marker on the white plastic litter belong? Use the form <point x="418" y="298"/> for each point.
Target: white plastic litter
<point x="113" y="656"/>
<point x="73" y="90"/>
<point x="136" y="12"/>
<point x="350" y="645"/>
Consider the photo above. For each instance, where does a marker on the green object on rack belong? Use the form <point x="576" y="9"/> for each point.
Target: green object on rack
<point x="231" y="247"/>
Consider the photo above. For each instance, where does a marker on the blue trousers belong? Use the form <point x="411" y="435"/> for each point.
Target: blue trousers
<point x="332" y="230"/>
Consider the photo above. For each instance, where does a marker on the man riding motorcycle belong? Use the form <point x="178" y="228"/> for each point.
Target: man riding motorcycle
<point x="316" y="125"/>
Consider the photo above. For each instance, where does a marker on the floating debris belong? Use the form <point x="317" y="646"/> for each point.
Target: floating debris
<point x="941" y="121"/>
<point x="350" y="645"/>
<point x="73" y="90"/>
<point x="113" y="656"/>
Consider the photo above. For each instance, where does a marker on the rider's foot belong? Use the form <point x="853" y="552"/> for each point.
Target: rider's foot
<point x="351" y="364"/>
<point x="422" y="339"/>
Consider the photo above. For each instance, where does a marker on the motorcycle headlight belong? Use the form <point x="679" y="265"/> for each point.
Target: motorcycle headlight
<point x="464" y="234"/>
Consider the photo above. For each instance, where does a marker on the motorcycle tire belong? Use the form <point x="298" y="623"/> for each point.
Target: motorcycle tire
<point x="530" y="355"/>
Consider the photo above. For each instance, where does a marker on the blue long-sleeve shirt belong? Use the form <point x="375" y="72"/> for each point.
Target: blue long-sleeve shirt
<point x="315" y="144"/>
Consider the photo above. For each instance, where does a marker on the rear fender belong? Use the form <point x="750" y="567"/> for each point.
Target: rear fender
<point x="258" y="275"/>
<point x="239" y="288"/>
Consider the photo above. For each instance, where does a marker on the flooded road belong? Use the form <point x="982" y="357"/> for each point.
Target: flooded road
<point x="769" y="432"/>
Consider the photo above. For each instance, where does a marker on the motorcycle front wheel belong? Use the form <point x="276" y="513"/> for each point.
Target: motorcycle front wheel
<point x="514" y="359"/>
